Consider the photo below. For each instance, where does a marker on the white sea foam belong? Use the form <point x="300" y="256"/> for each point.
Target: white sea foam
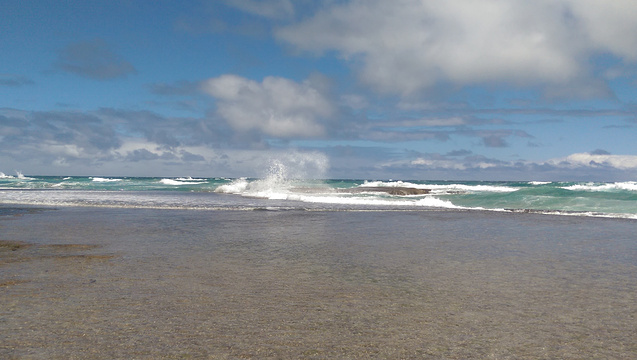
<point x="237" y="186"/>
<point x="441" y="188"/>
<point x="188" y="178"/>
<point x="99" y="179"/>
<point x="280" y="184"/>
<point x="19" y="175"/>
<point x="263" y="189"/>
<point x="178" y="182"/>
<point x="390" y="184"/>
<point x="627" y="186"/>
<point x="275" y="188"/>
<point x="280" y="176"/>
<point x="374" y="201"/>
<point x="539" y="182"/>
<point x="474" y="188"/>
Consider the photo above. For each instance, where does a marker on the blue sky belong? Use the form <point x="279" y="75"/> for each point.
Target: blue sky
<point x="460" y="89"/>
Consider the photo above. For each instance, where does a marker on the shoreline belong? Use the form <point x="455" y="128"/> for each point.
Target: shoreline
<point x="265" y="206"/>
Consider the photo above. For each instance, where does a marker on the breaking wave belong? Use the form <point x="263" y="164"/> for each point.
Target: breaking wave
<point x="298" y="182"/>
<point x="100" y="179"/>
<point x="182" y="181"/>
<point x="628" y="186"/>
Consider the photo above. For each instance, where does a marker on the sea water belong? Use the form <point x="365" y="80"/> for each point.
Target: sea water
<point x="291" y="265"/>
<point x="112" y="282"/>
<point x="280" y="189"/>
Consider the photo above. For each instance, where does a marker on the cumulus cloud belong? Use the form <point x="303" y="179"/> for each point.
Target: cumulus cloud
<point x="166" y="132"/>
<point x="188" y="156"/>
<point x="135" y="143"/>
<point x="69" y="132"/>
<point x="276" y="106"/>
<point x="354" y="101"/>
<point x="465" y="164"/>
<point x="94" y="59"/>
<point x="596" y="160"/>
<point x="608" y="25"/>
<point x="141" y="155"/>
<point x="438" y="164"/>
<point x="68" y="137"/>
<point x="434" y="129"/>
<point x="462" y="162"/>
<point x="409" y="45"/>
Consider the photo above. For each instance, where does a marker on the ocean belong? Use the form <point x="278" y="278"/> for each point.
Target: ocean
<point x="277" y="192"/>
<point x="276" y="267"/>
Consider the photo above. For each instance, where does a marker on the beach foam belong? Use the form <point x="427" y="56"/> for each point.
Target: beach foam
<point x="629" y="186"/>
<point x="100" y="179"/>
<point x="374" y="201"/>
<point x="441" y="188"/>
<point x="237" y="186"/>
<point x="179" y="182"/>
<point x="539" y="182"/>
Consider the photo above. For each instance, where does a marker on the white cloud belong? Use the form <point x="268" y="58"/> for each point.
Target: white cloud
<point x="621" y="162"/>
<point x="355" y="102"/>
<point x="277" y="107"/>
<point x="609" y="25"/>
<point x="438" y="164"/>
<point x="405" y="46"/>
<point x="586" y="166"/>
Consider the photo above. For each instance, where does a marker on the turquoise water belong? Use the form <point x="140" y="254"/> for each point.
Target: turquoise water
<point x="274" y="192"/>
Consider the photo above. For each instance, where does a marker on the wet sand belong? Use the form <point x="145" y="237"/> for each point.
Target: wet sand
<point x="147" y="284"/>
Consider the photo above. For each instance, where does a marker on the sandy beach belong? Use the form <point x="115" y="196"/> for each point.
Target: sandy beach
<point x="105" y="283"/>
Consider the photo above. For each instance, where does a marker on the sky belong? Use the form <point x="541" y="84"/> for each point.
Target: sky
<point x="540" y="90"/>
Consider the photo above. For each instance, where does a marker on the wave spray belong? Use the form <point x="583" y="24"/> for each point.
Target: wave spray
<point x="283" y="173"/>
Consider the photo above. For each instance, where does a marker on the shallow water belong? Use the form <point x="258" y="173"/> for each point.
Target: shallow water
<point x="299" y="284"/>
